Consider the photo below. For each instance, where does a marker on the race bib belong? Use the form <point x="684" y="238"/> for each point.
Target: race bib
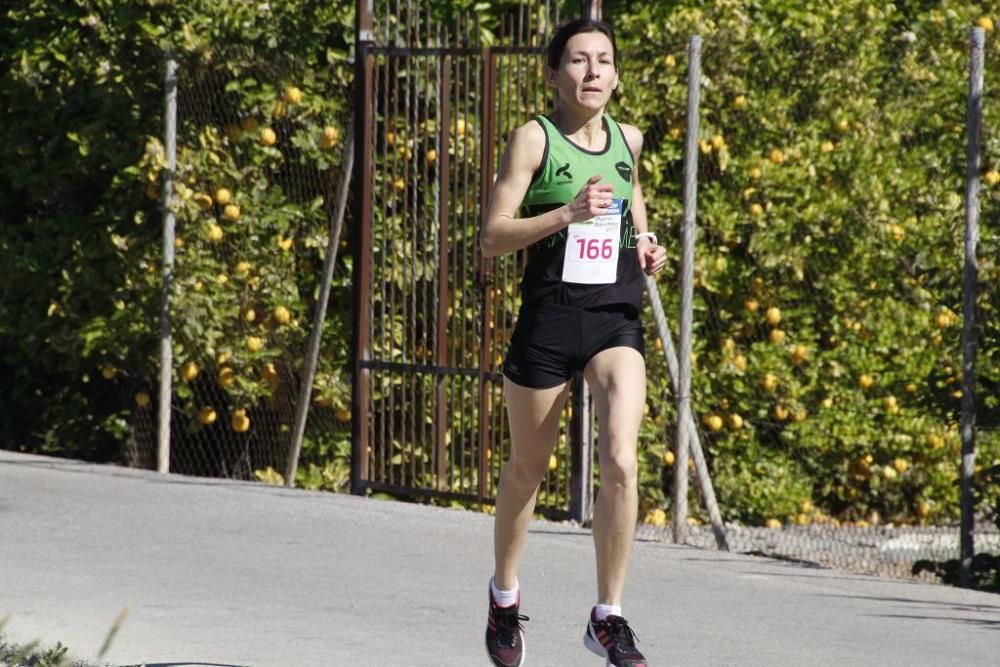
<point x="591" y="254"/>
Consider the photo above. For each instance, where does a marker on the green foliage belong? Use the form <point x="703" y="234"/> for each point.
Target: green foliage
<point x="828" y="283"/>
<point x="831" y="174"/>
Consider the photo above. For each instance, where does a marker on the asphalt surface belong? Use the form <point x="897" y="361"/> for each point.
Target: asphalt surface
<point x="229" y="573"/>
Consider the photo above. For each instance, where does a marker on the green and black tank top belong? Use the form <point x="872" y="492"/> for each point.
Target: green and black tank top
<point x="565" y="168"/>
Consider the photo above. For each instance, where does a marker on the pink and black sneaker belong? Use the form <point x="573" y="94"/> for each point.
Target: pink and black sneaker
<point x="613" y="640"/>
<point x="505" y="634"/>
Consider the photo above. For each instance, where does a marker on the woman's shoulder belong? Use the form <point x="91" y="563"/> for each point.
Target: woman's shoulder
<point x="633" y="137"/>
<point x="527" y="145"/>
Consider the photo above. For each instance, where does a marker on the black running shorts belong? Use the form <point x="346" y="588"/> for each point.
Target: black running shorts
<point x="550" y="341"/>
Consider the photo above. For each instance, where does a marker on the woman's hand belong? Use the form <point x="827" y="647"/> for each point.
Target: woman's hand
<point x="652" y="258"/>
<point x="592" y="200"/>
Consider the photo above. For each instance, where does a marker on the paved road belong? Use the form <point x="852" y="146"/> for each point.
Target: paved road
<point x="228" y="573"/>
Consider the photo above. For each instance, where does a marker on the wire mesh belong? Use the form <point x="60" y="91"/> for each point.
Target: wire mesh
<point x="827" y="358"/>
<point x="254" y="186"/>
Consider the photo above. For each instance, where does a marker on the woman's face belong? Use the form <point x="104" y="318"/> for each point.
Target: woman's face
<point x="586" y="74"/>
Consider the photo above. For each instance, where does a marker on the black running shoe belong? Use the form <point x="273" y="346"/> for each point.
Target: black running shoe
<point x="504" y="634"/>
<point x="613" y="640"/>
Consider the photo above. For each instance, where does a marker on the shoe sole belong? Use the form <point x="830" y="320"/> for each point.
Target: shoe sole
<point x="524" y="652"/>
<point x="595" y="647"/>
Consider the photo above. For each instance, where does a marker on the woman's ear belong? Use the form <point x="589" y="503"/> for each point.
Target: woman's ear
<point x="551" y="76"/>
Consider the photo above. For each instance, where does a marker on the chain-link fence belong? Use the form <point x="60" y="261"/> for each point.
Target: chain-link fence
<point x="258" y="149"/>
<point x="828" y="278"/>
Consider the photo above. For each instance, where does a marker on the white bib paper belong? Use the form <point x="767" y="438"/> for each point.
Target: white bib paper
<point x="591" y="256"/>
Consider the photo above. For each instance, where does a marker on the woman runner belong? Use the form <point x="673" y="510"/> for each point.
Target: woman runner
<point x="568" y="191"/>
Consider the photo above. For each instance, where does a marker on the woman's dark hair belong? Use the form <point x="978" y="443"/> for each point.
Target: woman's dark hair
<point x="556" y="48"/>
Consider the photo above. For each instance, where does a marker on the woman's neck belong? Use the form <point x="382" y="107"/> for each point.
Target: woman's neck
<point x="586" y="130"/>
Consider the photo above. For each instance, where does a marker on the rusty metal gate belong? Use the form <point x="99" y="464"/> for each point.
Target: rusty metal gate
<point x="435" y="105"/>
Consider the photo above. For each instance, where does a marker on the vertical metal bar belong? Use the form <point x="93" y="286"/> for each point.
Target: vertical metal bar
<point x="679" y="507"/>
<point x="974" y="120"/>
<point x="442" y="423"/>
<point x="581" y="459"/>
<point x="487" y="140"/>
<point x="704" y="479"/>
<point x="591" y="9"/>
<point x="384" y="320"/>
<point x="169" y="223"/>
<point x="362" y="279"/>
<point x="319" y="316"/>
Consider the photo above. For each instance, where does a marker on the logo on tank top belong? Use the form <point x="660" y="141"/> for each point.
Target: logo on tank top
<point x="563" y="172"/>
<point x="625" y="171"/>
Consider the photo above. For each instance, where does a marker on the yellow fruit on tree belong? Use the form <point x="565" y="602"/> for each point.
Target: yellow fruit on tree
<point x="292" y="95"/>
<point x="189" y="371"/>
<point x="207" y="415"/>
<point x="889" y="472"/>
<point x="284" y="244"/>
<point x="985" y="22"/>
<point x="826" y="146"/>
<point x="843" y="125"/>
<point x="756" y="210"/>
<point x="460" y="127"/>
<point x="204" y="201"/>
<point x="769" y="382"/>
<point x="231" y="212"/>
<point x="780" y="412"/>
<point x="773" y="523"/>
<point x="240" y="422"/>
<point x="773" y="316"/>
<point x="755" y="174"/>
<point x="751" y="305"/>
<point x="400" y="184"/>
<point x="553" y="462"/>
<point x="718" y="142"/>
<point x="923" y="508"/>
<point x="713" y="422"/>
<point x="142" y="399"/>
<point x="740" y="362"/>
<point x="223" y="196"/>
<point x="865" y="381"/>
<point x="800" y="354"/>
<point x="254" y="344"/>
<point x="268" y="137"/>
<point x="777" y="336"/>
<point x="670" y="61"/>
<point x="215" y="233"/>
<point x="901" y="465"/>
<point x="243" y="268"/>
<point x="992" y="177"/>
<point x="226" y="377"/>
<point x="735" y="421"/>
<point x="329" y="137"/>
<point x="281" y="315"/>
<point x="890" y="404"/>
<point x="800" y="415"/>
<point x="777" y="156"/>
<point x="432" y="156"/>
<point x="342" y="414"/>
<point x="668" y="458"/>
<point x="739" y="101"/>
<point x="109" y="372"/>
<point x="250" y="315"/>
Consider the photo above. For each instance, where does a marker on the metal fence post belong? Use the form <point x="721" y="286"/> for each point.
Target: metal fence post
<point x="319" y="317"/>
<point x="679" y="507"/>
<point x="973" y="126"/>
<point x="166" y="344"/>
<point x="361" y="279"/>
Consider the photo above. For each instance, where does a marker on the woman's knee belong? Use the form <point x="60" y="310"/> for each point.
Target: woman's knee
<point x="524" y="473"/>
<point x="619" y="466"/>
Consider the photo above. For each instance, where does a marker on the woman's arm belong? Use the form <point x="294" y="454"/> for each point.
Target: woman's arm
<point x="503" y="232"/>
<point x="652" y="257"/>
